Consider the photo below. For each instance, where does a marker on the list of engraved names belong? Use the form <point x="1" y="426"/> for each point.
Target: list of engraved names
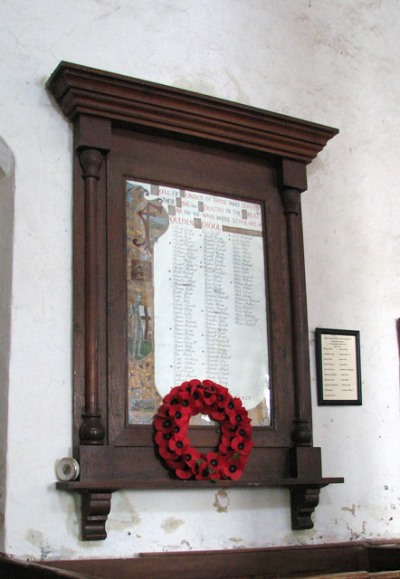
<point x="210" y="304"/>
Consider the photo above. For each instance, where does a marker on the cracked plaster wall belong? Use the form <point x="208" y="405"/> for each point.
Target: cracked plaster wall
<point x="335" y="63"/>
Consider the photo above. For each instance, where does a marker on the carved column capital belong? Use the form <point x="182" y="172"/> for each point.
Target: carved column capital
<point x="91" y="161"/>
<point x="291" y="200"/>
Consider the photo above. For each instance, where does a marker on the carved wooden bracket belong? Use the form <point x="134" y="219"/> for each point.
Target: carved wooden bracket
<point x="95" y="510"/>
<point x="304" y="499"/>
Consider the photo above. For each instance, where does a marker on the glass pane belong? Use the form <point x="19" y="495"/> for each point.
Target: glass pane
<point x="196" y="297"/>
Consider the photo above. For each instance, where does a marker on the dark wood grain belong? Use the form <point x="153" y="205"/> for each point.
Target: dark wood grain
<point x="355" y="559"/>
<point x="81" y="91"/>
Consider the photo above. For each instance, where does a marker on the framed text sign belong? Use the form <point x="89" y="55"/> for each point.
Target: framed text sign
<point x="188" y="264"/>
<point x="338" y="367"/>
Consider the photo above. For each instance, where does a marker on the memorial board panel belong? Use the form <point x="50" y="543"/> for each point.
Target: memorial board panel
<point x="196" y="297"/>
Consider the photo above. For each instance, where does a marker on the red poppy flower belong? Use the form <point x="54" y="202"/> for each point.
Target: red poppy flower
<point x="180" y="415"/>
<point x="203" y="472"/>
<point x="207" y="383"/>
<point x="244" y="429"/>
<point x="197" y="402"/>
<point x="231" y="404"/>
<point x="178" y="445"/>
<point x="228" y="429"/>
<point x="214" y="461"/>
<point x="184" y="472"/>
<point x="168" y="398"/>
<point x="180" y="433"/>
<point x="191" y="458"/>
<point x="223" y="396"/>
<point x="242" y="445"/>
<point x="223" y="449"/>
<point x="164" y="423"/>
<point x="185" y="400"/>
<point x="226" y="441"/>
<point x="238" y="416"/>
<point x="233" y="468"/>
<point x="166" y="453"/>
<point x="162" y="438"/>
<point x="194" y="383"/>
<point x="218" y="414"/>
<point x="174" y="463"/>
<point x="163" y="410"/>
<point x="208" y="395"/>
<point x="172" y="422"/>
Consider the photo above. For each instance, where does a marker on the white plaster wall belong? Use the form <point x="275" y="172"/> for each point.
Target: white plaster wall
<point x="6" y="245"/>
<point x="334" y="62"/>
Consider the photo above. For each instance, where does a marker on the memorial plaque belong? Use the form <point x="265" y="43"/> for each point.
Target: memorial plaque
<point x="196" y="297"/>
<point x="338" y="366"/>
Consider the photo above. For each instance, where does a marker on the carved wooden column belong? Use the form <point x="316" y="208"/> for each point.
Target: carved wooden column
<point x="305" y="460"/>
<point x="91" y="430"/>
<point x="293" y="183"/>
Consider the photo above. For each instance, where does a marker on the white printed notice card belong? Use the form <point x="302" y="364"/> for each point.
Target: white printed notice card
<point x="338" y="366"/>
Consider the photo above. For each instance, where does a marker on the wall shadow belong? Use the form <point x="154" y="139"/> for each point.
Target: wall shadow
<point x="7" y="189"/>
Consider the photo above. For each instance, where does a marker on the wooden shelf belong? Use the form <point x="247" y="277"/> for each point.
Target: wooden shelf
<point x="116" y="485"/>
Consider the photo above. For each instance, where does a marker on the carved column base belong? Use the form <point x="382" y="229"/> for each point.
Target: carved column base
<point x="304" y="500"/>
<point x="91" y="430"/>
<point x="305" y="463"/>
<point x="95" y="510"/>
<point x="302" y="433"/>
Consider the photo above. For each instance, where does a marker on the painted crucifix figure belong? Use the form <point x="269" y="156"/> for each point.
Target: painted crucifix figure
<point x="147" y="220"/>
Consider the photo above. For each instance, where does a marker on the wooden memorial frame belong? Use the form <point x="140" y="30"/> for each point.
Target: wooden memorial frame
<point x="126" y="127"/>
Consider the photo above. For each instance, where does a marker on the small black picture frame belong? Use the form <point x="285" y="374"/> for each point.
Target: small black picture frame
<point x="338" y="367"/>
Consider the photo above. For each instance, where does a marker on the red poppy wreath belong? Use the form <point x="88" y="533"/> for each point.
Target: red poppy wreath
<point x="172" y="422"/>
